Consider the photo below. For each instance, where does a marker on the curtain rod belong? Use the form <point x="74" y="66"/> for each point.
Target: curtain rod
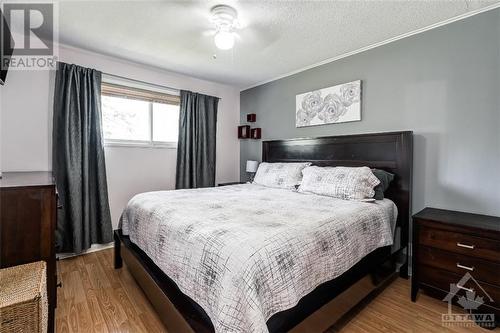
<point x="140" y="81"/>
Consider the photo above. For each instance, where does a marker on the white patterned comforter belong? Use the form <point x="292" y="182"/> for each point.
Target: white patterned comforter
<point x="246" y="252"/>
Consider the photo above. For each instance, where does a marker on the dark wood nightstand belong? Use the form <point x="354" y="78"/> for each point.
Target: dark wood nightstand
<point x="458" y="252"/>
<point x="230" y="183"/>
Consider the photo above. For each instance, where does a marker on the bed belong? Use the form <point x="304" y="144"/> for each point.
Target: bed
<point x="265" y="259"/>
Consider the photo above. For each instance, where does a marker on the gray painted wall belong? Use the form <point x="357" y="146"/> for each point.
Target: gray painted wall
<point x="443" y="84"/>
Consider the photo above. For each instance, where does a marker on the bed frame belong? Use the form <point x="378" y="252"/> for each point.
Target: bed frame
<point x="331" y="300"/>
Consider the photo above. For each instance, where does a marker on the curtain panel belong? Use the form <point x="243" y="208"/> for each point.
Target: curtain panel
<point x="197" y="139"/>
<point x="78" y="160"/>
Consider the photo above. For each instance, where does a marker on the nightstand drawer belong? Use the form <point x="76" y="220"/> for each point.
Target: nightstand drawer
<point x="460" y="264"/>
<point x="442" y="279"/>
<point x="456" y="242"/>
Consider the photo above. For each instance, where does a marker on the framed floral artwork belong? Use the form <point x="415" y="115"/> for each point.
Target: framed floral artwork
<point x="337" y="104"/>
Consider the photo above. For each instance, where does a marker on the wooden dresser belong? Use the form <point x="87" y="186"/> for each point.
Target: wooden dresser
<point x="28" y="207"/>
<point x="449" y="244"/>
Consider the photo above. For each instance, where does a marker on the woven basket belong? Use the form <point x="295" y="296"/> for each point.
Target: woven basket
<point x="23" y="298"/>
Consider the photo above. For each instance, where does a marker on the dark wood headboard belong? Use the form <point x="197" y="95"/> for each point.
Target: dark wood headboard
<point x="392" y="152"/>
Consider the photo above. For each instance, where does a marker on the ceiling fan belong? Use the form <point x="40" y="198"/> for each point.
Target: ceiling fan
<point x="225" y="20"/>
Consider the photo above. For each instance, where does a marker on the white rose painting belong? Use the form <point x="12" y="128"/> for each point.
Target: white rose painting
<point x="337" y="104"/>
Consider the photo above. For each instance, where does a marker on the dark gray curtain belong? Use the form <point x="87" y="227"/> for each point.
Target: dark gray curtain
<point x="196" y="147"/>
<point x="78" y="160"/>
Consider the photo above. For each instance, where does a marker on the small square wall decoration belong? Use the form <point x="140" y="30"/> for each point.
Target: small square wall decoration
<point x="337" y="104"/>
<point x="256" y="133"/>
<point x="244" y="132"/>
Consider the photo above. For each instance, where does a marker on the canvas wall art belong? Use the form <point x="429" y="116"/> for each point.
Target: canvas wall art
<point x="337" y="104"/>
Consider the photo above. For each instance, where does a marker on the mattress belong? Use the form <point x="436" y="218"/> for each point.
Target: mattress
<point x="246" y="252"/>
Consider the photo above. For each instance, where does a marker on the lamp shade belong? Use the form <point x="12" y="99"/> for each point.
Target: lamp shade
<point x="252" y="166"/>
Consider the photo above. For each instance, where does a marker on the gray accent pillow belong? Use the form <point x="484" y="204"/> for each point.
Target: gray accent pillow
<point x="385" y="180"/>
<point x="339" y="182"/>
<point x="280" y="175"/>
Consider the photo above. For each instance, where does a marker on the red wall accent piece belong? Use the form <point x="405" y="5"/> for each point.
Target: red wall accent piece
<point x="251" y="117"/>
<point x="256" y="133"/>
<point x="243" y="132"/>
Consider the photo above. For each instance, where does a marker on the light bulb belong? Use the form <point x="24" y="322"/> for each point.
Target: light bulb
<point x="224" y="40"/>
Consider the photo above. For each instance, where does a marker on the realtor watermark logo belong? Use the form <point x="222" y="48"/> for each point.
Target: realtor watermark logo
<point x="29" y="35"/>
<point x="474" y="297"/>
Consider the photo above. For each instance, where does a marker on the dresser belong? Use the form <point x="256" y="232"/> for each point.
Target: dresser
<point x="460" y="249"/>
<point x="28" y="205"/>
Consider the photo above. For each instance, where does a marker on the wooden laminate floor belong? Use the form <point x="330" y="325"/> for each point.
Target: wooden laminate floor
<point x="97" y="298"/>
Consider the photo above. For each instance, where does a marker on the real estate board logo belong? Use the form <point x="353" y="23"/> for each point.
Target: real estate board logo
<point x="29" y="35"/>
<point x="475" y="296"/>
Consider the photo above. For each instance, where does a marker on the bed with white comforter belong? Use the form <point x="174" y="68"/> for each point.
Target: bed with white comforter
<point x="246" y="252"/>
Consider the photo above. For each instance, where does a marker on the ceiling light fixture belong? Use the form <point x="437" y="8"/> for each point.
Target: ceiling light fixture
<point x="225" y="19"/>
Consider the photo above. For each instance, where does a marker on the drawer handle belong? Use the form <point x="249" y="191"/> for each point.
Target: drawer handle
<point x="466" y="246"/>
<point x="465" y="267"/>
<point x="464" y="288"/>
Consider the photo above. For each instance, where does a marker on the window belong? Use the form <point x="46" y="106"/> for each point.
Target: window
<point x="139" y="117"/>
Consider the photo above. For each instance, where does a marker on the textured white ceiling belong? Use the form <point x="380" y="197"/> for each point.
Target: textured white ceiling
<point x="279" y="36"/>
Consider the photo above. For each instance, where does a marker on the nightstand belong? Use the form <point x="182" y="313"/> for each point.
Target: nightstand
<point x="230" y="183"/>
<point x="456" y="254"/>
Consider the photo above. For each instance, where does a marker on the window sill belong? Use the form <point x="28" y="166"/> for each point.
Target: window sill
<point x="125" y="144"/>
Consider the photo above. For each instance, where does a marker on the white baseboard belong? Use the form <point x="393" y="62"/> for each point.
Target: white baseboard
<point x="93" y="248"/>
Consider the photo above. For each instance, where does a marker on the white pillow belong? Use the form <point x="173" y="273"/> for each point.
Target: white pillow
<point x="339" y="182"/>
<point x="280" y="175"/>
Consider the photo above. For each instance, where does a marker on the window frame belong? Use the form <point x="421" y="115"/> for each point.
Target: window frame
<point x="132" y="84"/>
